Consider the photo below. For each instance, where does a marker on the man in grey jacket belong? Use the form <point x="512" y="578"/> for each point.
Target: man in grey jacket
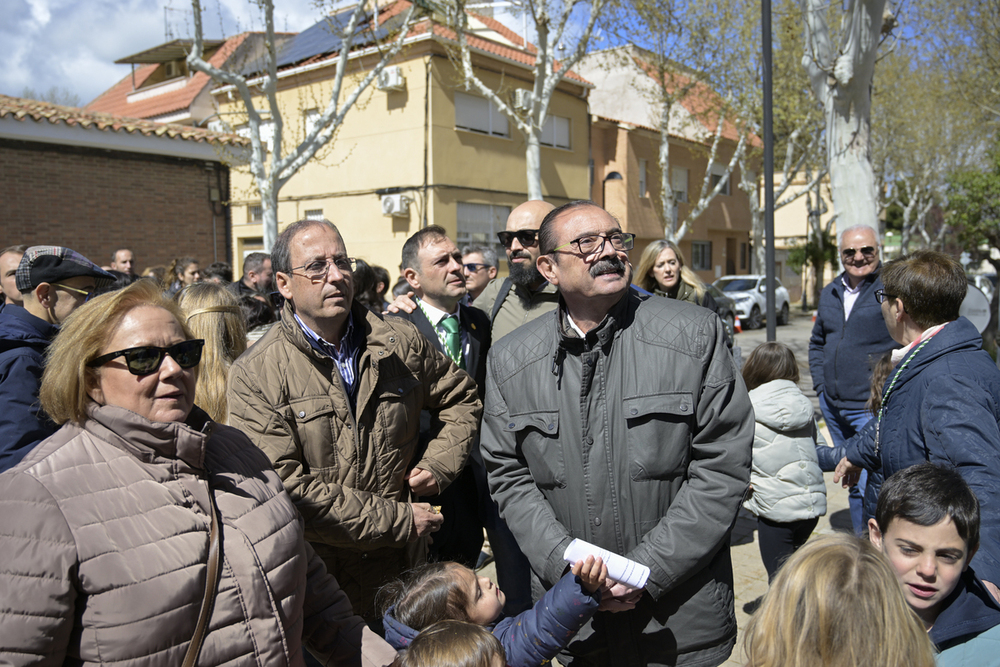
<point x="621" y="420"/>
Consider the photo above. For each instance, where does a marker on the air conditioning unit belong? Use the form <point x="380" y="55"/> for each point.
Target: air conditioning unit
<point x="391" y="78"/>
<point x="523" y="99"/>
<point x="396" y="205"/>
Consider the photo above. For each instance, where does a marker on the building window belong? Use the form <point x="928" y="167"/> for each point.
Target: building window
<point x="701" y="255"/>
<point x="679" y="183"/>
<point x="556" y="132"/>
<point x="314" y="214"/>
<point x="718" y="171"/>
<point x="477" y="114"/>
<point x="266" y="129"/>
<point x="743" y="256"/>
<point x="479" y="223"/>
<point x="257" y="213"/>
<point x="312" y="119"/>
<point x="643" y="192"/>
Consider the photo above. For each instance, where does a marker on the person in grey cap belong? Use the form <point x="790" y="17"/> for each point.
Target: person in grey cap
<point x="53" y="282"/>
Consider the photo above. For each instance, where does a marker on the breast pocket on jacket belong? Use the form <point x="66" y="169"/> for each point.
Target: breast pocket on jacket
<point x="537" y="437"/>
<point x="313" y="421"/>
<point x="659" y="434"/>
<point x="399" y="402"/>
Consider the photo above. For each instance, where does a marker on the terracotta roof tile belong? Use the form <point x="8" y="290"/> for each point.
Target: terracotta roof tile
<point x="24" y="110"/>
<point x="115" y="100"/>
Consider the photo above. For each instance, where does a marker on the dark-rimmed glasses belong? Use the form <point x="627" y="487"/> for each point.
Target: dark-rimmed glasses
<point x="319" y="269"/>
<point x="528" y="238"/>
<point x="473" y="267"/>
<point x="868" y="252"/>
<point x="147" y="359"/>
<point x="86" y="295"/>
<point x="593" y="244"/>
<point x="881" y="296"/>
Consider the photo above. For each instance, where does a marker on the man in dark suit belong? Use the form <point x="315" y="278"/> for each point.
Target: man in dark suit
<point x="432" y="264"/>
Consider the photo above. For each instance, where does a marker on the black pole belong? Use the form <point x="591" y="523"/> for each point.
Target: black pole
<point x="765" y="22"/>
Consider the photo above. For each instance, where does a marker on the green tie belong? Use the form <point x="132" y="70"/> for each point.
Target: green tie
<point x="452" y="340"/>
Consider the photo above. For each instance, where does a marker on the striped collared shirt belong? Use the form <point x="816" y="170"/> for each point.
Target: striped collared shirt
<point x="345" y="357"/>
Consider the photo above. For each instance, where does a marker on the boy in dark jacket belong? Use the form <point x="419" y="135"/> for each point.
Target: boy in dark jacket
<point x="927" y="525"/>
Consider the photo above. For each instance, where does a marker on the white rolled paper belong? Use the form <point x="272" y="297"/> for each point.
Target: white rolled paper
<point x="620" y="569"/>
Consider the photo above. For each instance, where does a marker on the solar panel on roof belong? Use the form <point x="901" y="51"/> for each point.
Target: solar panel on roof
<point x="324" y="37"/>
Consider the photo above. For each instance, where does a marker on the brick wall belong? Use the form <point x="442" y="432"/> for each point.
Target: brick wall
<point x="95" y="201"/>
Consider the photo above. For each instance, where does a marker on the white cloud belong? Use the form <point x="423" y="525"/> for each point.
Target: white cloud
<point x="73" y="45"/>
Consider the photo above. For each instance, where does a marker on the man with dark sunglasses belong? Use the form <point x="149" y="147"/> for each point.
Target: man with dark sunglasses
<point x="848" y="337"/>
<point x="53" y="282"/>
<point x="524" y="294"/>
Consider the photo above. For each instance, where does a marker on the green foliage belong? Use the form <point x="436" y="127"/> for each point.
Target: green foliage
<point x="974" y="203"/>
<point x="816" y="253"/>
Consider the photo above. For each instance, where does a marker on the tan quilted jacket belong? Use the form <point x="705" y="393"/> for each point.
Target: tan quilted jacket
<point x="345" y="471"/>
<point x="105" y="542"/>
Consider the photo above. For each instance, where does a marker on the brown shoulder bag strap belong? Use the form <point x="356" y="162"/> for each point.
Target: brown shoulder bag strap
<point x="211" y="587"/>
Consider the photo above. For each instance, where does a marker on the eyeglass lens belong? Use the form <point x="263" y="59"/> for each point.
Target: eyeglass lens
<point x="867" y="251"/>
<point x="526" y="237"/>
<point x="146" y="360"/>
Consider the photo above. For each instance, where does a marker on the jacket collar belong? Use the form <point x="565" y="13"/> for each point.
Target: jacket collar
<point x="148" y="440"/>
<point x="568" y="341"/>
<point x="970" y="609"/>
<point x="866" y="282"/>
<point x="960" y="334"/>
<point x="372" y="334"/>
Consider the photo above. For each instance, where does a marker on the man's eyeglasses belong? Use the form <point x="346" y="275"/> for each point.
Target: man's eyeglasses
<point x="472" y="267"/>
<point x="86" y="293"/>
<point x="881" y="296"/>
<point x="147" y="359"/>
<point x="868" y="252"/>
<point x="594" y="243"/>
<point x="528" y="238"/>
<point x="320" y="268"/>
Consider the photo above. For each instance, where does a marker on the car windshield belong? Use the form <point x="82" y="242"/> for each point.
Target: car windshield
<point x="737" y="284"/>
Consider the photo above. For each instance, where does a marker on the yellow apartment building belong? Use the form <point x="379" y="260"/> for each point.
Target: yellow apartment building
<point x="418" y="149"/>
<point x="626" y="176"/>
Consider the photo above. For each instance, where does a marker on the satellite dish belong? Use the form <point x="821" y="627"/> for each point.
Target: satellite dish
<point x="976" y="308"/>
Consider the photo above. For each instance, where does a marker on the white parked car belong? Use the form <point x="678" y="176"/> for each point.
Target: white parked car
<point x="750" y="295"/>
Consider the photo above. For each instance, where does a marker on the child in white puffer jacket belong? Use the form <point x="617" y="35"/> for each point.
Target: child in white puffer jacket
<point x="788" y="494"/>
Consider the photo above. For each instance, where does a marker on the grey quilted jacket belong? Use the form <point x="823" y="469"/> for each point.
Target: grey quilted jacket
<point x="637" y="439"/>
<point x="105" y="543"/>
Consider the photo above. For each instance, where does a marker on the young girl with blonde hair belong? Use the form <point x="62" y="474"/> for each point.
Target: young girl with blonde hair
<point x="836" y="603"/>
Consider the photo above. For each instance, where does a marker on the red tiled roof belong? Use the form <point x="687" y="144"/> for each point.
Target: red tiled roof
<point x="115" y="100"/>
<point x="23" y="110"/>
<point x="701" y="101"/>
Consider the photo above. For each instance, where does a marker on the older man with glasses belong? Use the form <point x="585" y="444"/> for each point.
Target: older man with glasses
<point x="53" y="281"/>
<point x="333" y="394"/>
<point x="847" y="339"/>
<point x="621" y="420"/>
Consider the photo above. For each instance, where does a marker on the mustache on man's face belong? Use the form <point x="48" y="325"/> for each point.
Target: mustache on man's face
<point x="608" y="265"/>
<point x="520" y="254"/>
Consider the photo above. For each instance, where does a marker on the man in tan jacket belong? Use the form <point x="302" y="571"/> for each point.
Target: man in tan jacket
<point x="333" y="395"/>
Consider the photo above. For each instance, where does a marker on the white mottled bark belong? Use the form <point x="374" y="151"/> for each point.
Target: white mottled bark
<point x="841" y="79"/>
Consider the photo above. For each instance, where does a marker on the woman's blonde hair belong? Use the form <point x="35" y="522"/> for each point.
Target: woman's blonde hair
<point x="648" y="261"/>
<point x="67" y="379"/>
<point x="213" y="313"/>
<point x="836" y="602"/>
<point x="454" y="644"/>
